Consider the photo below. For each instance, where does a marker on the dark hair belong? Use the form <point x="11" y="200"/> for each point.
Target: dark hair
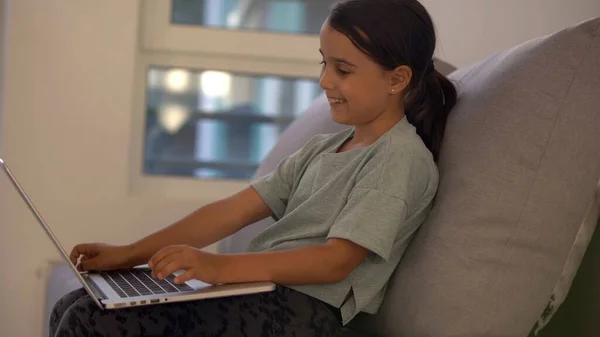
<point x="395" y="33"/>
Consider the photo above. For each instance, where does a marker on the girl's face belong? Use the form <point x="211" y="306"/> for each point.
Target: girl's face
<point x="359" y="90"/>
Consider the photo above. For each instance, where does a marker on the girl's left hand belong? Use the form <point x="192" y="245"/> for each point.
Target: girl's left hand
<point x="197" y="264"/>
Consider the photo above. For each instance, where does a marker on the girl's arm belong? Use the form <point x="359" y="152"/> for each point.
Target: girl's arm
<point x="328" y="263"/>
<point x="205" y="226"/>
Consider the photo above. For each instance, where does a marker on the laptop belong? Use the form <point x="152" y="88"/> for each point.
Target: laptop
<point x="136" y="287"/>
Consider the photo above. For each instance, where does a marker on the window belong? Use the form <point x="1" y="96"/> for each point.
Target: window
<point x="217" y="83"/>
<point x="215" y="124"/>
<point x="285" y="16"/>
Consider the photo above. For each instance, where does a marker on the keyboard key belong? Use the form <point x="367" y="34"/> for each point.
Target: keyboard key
<point x="166" y="286"/>
<point x="127" y="288"/>
<point x="149" y="282"/>
<point x="180" y="287"/>
<point x="135" y="283"/>
<point x="140" y="282"/>
<point x="113" y="285"/>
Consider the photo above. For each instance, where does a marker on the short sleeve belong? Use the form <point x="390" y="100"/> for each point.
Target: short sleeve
<point x="275" y="188"/>
<point x="372" y="219"/>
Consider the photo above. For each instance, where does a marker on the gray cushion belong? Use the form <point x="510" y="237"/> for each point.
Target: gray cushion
<point x="518" y="171"/>
<point x="572" y="266"/>
<point x="519" y="168"/>
<point x="578" y="315"/>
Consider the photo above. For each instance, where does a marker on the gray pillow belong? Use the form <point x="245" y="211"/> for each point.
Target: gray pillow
<point x="518" y="173"/>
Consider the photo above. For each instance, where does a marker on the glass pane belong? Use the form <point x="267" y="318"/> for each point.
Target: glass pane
<point x="217" y="125"/>
<point x="287" y="16"/>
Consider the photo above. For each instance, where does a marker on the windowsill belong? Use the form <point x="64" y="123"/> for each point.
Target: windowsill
<point x="200" y="191"/>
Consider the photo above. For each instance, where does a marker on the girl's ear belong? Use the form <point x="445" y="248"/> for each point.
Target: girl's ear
<point x="400" y="79"/>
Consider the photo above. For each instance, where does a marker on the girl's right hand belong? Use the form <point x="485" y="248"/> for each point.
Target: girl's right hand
<point x="98" y="256"/>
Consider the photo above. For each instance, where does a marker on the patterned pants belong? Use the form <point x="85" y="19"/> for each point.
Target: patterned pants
<point x="283" y="312"/>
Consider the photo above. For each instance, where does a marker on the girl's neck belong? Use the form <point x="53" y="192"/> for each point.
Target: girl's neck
<point x="367" y="134"/>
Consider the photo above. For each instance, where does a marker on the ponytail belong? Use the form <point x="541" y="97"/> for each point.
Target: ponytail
<point x="401" y="32"/>
<point x="427" y="106"/>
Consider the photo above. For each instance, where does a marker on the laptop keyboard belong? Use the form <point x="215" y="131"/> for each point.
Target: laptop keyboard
<point x="139" y="282"/>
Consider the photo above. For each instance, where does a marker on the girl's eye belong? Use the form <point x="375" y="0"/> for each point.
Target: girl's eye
<point x="339" y="71"/>
<point x="342" y="72"/>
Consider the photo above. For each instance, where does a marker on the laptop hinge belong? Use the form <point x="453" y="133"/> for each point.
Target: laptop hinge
<point x="97" y="292"/>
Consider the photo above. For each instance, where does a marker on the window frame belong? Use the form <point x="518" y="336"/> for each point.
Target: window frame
<point x="158" y="34"/>
<point x="163" y="44"/>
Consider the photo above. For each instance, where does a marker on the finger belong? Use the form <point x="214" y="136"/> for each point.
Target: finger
<point x="164" y="260"/>
<point x="75" y="254"/>
<point x="170" y="268"/>
<point x="81" y="249"/>
<point x="77" y="262"/>
<point x="160" y="268"/>
<point x="161" y="254"/>
<point x="89" y="264"/>
<point x="188" y="275"/>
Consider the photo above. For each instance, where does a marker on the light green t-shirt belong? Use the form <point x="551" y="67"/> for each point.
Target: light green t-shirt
<point x="376" y="197"/>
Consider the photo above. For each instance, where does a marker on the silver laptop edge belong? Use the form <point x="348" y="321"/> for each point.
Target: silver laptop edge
<point x="42" y="222"/>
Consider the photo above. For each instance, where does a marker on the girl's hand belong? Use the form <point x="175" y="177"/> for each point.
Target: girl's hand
<point x="196" y="263"/>
<point x="98" y="256"/>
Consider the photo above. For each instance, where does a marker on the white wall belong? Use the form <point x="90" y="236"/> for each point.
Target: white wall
<point x="2" y="48"/>
<point x="469" y="30"/>
<point x="67" y="121"/>
<point x="65" y="134"/>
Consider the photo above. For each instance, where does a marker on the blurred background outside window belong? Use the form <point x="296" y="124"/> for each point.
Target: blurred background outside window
<point x="210" y="123"/>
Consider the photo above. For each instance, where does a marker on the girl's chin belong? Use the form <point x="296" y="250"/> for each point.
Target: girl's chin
<point x="341" y="117"/>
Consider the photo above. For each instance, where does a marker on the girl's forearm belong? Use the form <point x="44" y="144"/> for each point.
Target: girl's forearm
<point x="312" y="265"/>
<point x="205" y="226"/>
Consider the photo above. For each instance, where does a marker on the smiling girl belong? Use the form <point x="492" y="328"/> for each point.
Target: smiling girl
<point x="346" y="205"/>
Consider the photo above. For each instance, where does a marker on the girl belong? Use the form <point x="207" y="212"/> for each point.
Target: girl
<point x="346" y="204"/>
